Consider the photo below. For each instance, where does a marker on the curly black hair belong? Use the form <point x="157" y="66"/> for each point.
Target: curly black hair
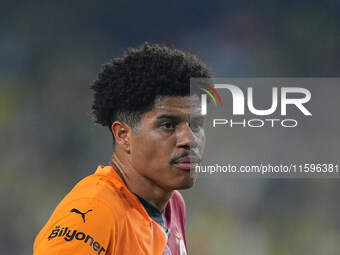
<point x="128" y="86"/>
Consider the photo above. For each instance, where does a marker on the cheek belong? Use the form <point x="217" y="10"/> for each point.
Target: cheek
<point x="149" y="149"/>
<point x="201" y="141"/>
<point x="141" y="149"/>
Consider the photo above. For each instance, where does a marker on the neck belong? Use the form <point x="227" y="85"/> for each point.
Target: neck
<point x="139" y="184"/>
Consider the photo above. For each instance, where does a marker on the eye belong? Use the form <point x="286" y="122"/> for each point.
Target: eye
<point x="196" y="125"/>
<point x="169" y="125"/>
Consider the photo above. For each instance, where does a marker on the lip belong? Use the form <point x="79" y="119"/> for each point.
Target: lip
<point x="187" y="163"/>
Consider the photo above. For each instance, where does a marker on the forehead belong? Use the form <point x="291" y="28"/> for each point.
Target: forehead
<point x="184" y="104"/>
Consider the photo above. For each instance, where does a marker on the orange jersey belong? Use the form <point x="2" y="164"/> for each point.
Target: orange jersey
<point x="100" y="216"/>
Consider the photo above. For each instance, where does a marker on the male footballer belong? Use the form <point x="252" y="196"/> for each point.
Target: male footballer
<point x="132" y="206"/>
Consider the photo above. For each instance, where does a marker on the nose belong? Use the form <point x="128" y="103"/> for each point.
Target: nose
<point x="186" y="138"/>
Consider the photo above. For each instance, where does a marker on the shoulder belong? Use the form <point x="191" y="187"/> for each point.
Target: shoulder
<point x="86" y="219"/>
<point x="97" y="196"/>
<point x="96" y="189"/>
<point x="76" y="227"/>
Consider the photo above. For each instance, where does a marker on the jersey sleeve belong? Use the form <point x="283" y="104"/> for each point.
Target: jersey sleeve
<point x="83" y="226"/>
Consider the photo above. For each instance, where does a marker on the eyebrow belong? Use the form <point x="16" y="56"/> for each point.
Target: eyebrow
<point x="166" y="116"/>
<point x="176" y="118"/>
<point x="199" y="117"/>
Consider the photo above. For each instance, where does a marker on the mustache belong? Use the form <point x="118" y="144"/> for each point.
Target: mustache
<point x="184" y="154"/>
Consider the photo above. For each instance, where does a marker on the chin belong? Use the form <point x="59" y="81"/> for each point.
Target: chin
<point x="185" y="186"/>
<point x="187" y="183"/>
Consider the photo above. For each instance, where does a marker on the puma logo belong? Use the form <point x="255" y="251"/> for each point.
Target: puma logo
<point x="79" y="212"/>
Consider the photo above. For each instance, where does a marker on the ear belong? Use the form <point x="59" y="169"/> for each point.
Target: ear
<point x="122" y="133"/>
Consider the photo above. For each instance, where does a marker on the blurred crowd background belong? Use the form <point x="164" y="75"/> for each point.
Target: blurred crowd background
<point x="51" y="51"/>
